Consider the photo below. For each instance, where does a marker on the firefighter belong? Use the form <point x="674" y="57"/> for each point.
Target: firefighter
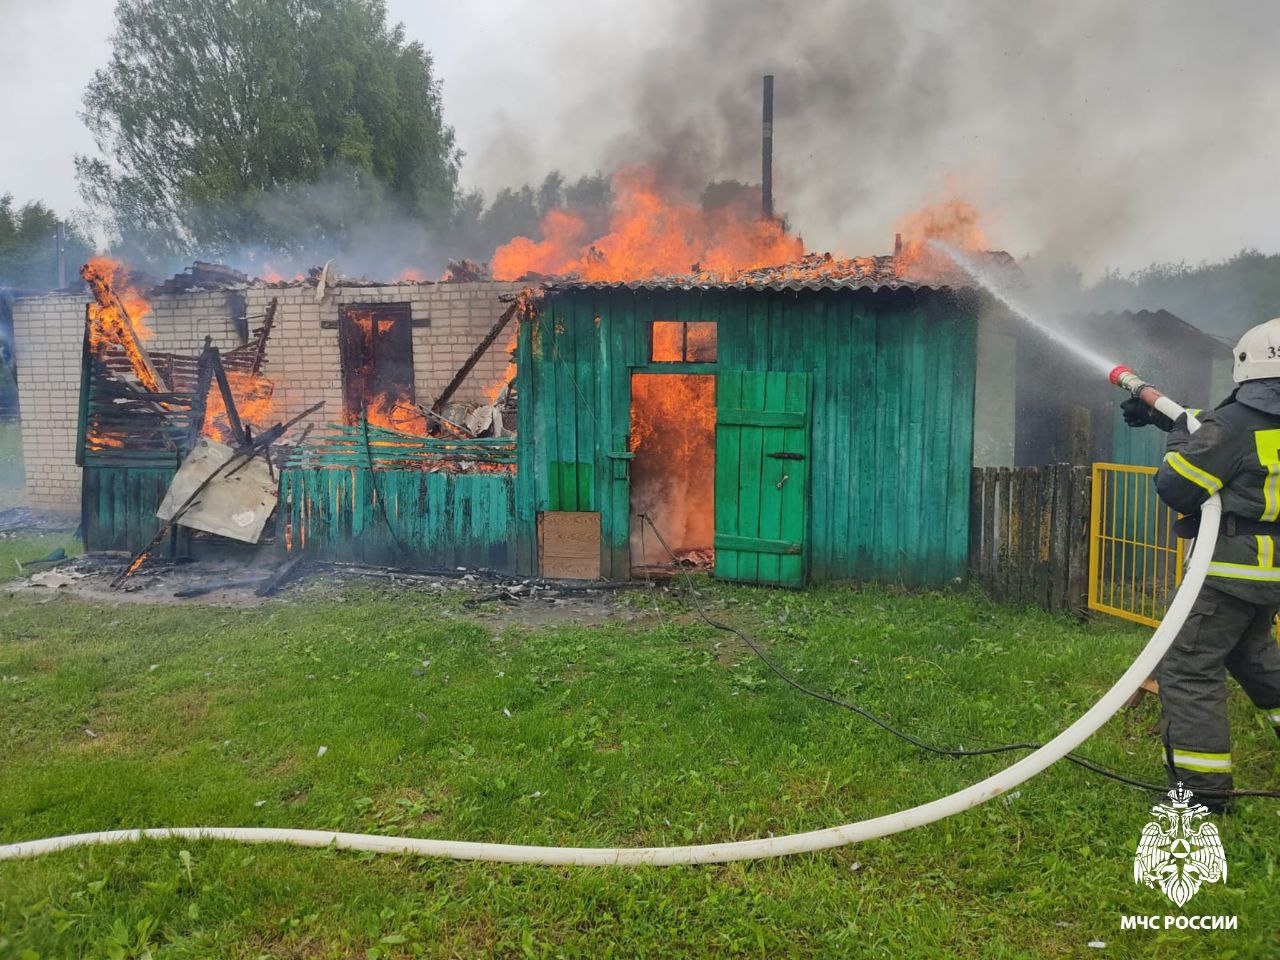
<point x="1235" y="454"/>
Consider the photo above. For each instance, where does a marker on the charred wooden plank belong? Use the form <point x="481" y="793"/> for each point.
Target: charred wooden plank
<point x="975" y="524"/>
<point x="264" y="332"/>
<point x="228" y="399"/>
<point x="452" y="387"/>
<point x="280" y="577"/>
<point x="201" y="401"/>
<point x="1078" y="535"/>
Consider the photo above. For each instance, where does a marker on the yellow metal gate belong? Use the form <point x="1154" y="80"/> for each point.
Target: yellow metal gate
<point x="1135" y="560"/>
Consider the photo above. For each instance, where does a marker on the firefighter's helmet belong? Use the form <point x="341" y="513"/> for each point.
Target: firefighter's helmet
<point x="1257" y="355"/>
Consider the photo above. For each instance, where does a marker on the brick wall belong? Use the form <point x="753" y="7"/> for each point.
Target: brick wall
<point x="450" y="320"/>
<point x="179" y="322"/>
<point x="48" y="334"/>
<point x="302" y="356"/>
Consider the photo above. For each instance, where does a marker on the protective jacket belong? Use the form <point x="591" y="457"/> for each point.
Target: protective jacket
<point x="1235" y="454"/>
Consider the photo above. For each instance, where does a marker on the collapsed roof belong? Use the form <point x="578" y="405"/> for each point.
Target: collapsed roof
<point x="816" y="271"/>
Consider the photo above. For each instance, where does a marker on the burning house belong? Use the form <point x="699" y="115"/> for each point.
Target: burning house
<point x="776" y="425"/>
<point x="794" y="427"/>
<point x="122" y="393"/>
<point x="781" y="425"/>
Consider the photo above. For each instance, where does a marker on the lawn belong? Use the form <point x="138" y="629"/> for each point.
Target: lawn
<point x="370" y="710"/>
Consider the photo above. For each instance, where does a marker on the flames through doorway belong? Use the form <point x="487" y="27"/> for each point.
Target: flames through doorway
<point x="673" y="439"/>
<point x="376" y="349"/>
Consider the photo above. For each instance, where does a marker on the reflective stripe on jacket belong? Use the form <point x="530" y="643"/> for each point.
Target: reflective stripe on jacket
<point x="1235" y="454"/>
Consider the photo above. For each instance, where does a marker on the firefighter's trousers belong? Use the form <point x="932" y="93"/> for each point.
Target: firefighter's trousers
<point x="1222" y="633"/>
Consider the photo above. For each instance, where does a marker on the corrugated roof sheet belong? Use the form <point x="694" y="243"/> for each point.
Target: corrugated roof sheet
<point x="1159" y="321"/>
<point x="814" y="271"/>
<point x="822" y="283"/>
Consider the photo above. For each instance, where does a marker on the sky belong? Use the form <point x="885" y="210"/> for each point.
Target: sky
<point x="1110" y="134"/>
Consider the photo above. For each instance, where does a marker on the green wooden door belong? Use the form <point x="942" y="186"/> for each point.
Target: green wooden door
<point x="762" y="477"/>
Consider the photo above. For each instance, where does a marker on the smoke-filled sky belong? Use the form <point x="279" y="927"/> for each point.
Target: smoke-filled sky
<point x="1113" y="134"/>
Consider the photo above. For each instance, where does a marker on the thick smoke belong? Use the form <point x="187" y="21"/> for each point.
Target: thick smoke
<point x="345" y="216"/>
<point x="1100" y="133"/>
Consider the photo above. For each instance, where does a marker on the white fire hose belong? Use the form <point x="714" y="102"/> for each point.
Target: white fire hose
<point x="926" y="813"/>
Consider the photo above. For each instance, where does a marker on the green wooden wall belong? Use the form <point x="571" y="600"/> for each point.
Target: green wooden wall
<point x="118" y="505"/>
<point x="893" y="385"/>
<point x="1144" y="448"/>
<point x="436" y="519"/>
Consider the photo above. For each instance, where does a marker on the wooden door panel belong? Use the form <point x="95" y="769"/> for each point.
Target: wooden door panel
<point x="762" y="477"/>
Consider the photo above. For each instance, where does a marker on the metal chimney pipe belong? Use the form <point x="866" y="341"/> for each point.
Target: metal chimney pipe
<point x="766" y="151"/>
<point x="60" y="245"/>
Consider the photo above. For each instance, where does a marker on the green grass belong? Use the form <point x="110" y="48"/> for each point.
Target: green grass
<point x="33" y="546"/>
<point x="655" y="730"/>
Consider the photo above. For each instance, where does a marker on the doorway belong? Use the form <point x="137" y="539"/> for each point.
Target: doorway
<point x="673" y="442"/>
<point x="375" y="343"/>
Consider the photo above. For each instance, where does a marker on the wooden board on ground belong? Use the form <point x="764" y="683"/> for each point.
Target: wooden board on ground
<point x="569" y="545"/>
<point x="1149" y="685"/>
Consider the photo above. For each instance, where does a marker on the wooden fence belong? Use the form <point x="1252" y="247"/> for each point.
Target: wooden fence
<point x="1029" y="534"/>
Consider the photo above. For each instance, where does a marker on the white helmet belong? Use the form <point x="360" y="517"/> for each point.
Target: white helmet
<point x="1257" y="355"/>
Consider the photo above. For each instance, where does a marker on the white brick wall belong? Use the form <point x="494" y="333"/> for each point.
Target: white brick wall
<point x="302" y="357"/>
<point x="48" y="340"/>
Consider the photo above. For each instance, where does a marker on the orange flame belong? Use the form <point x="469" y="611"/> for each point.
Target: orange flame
<point x="673" y="420"/>
<point x="252" y="396"/>
<point x="396" y="413"/>
<point x="137" y="562"/>
<point x="385" y="403"/>
<point x="272" y="274"/>
<point x="955" y="222"/>
<point x="115" y="318"/>
<point x="651" y="234"/>
<point x="494" y="390"/>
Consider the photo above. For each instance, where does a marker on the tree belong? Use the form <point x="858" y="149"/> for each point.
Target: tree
<point x="1225" y="298"/>
<point x="209" y="113"/>
<point x="28" y="257"/>
<point x="478" y="230"/>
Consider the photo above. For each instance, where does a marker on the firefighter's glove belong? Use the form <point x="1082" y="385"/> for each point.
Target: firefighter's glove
<point x="1138" y="414"/>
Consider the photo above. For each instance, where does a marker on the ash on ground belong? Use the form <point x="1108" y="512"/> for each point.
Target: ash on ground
<point x="233" y="583"/>
<point x="23" y="521"/>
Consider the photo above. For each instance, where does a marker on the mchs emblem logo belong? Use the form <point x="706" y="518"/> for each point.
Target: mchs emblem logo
<point x="1177" y="852"/>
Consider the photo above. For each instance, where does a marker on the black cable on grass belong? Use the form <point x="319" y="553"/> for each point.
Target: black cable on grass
<point x="915" y="741"/>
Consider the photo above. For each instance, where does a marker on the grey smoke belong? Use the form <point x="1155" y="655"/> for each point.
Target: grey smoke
<point x="1112" y="134"/>
<point x="1106" y="133"/>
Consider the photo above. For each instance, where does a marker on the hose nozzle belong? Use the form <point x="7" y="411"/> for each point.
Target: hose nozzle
<point x="1124" y="378"/>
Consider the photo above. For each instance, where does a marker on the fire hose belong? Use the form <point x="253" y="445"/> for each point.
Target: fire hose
<point x="810" y="841"/>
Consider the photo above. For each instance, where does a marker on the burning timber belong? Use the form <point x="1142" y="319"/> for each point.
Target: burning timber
<point x="707" y="414"/>
<point x="660" y="384"/>
<point x="151" y="419"/>
<point x="777" y="425"/>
